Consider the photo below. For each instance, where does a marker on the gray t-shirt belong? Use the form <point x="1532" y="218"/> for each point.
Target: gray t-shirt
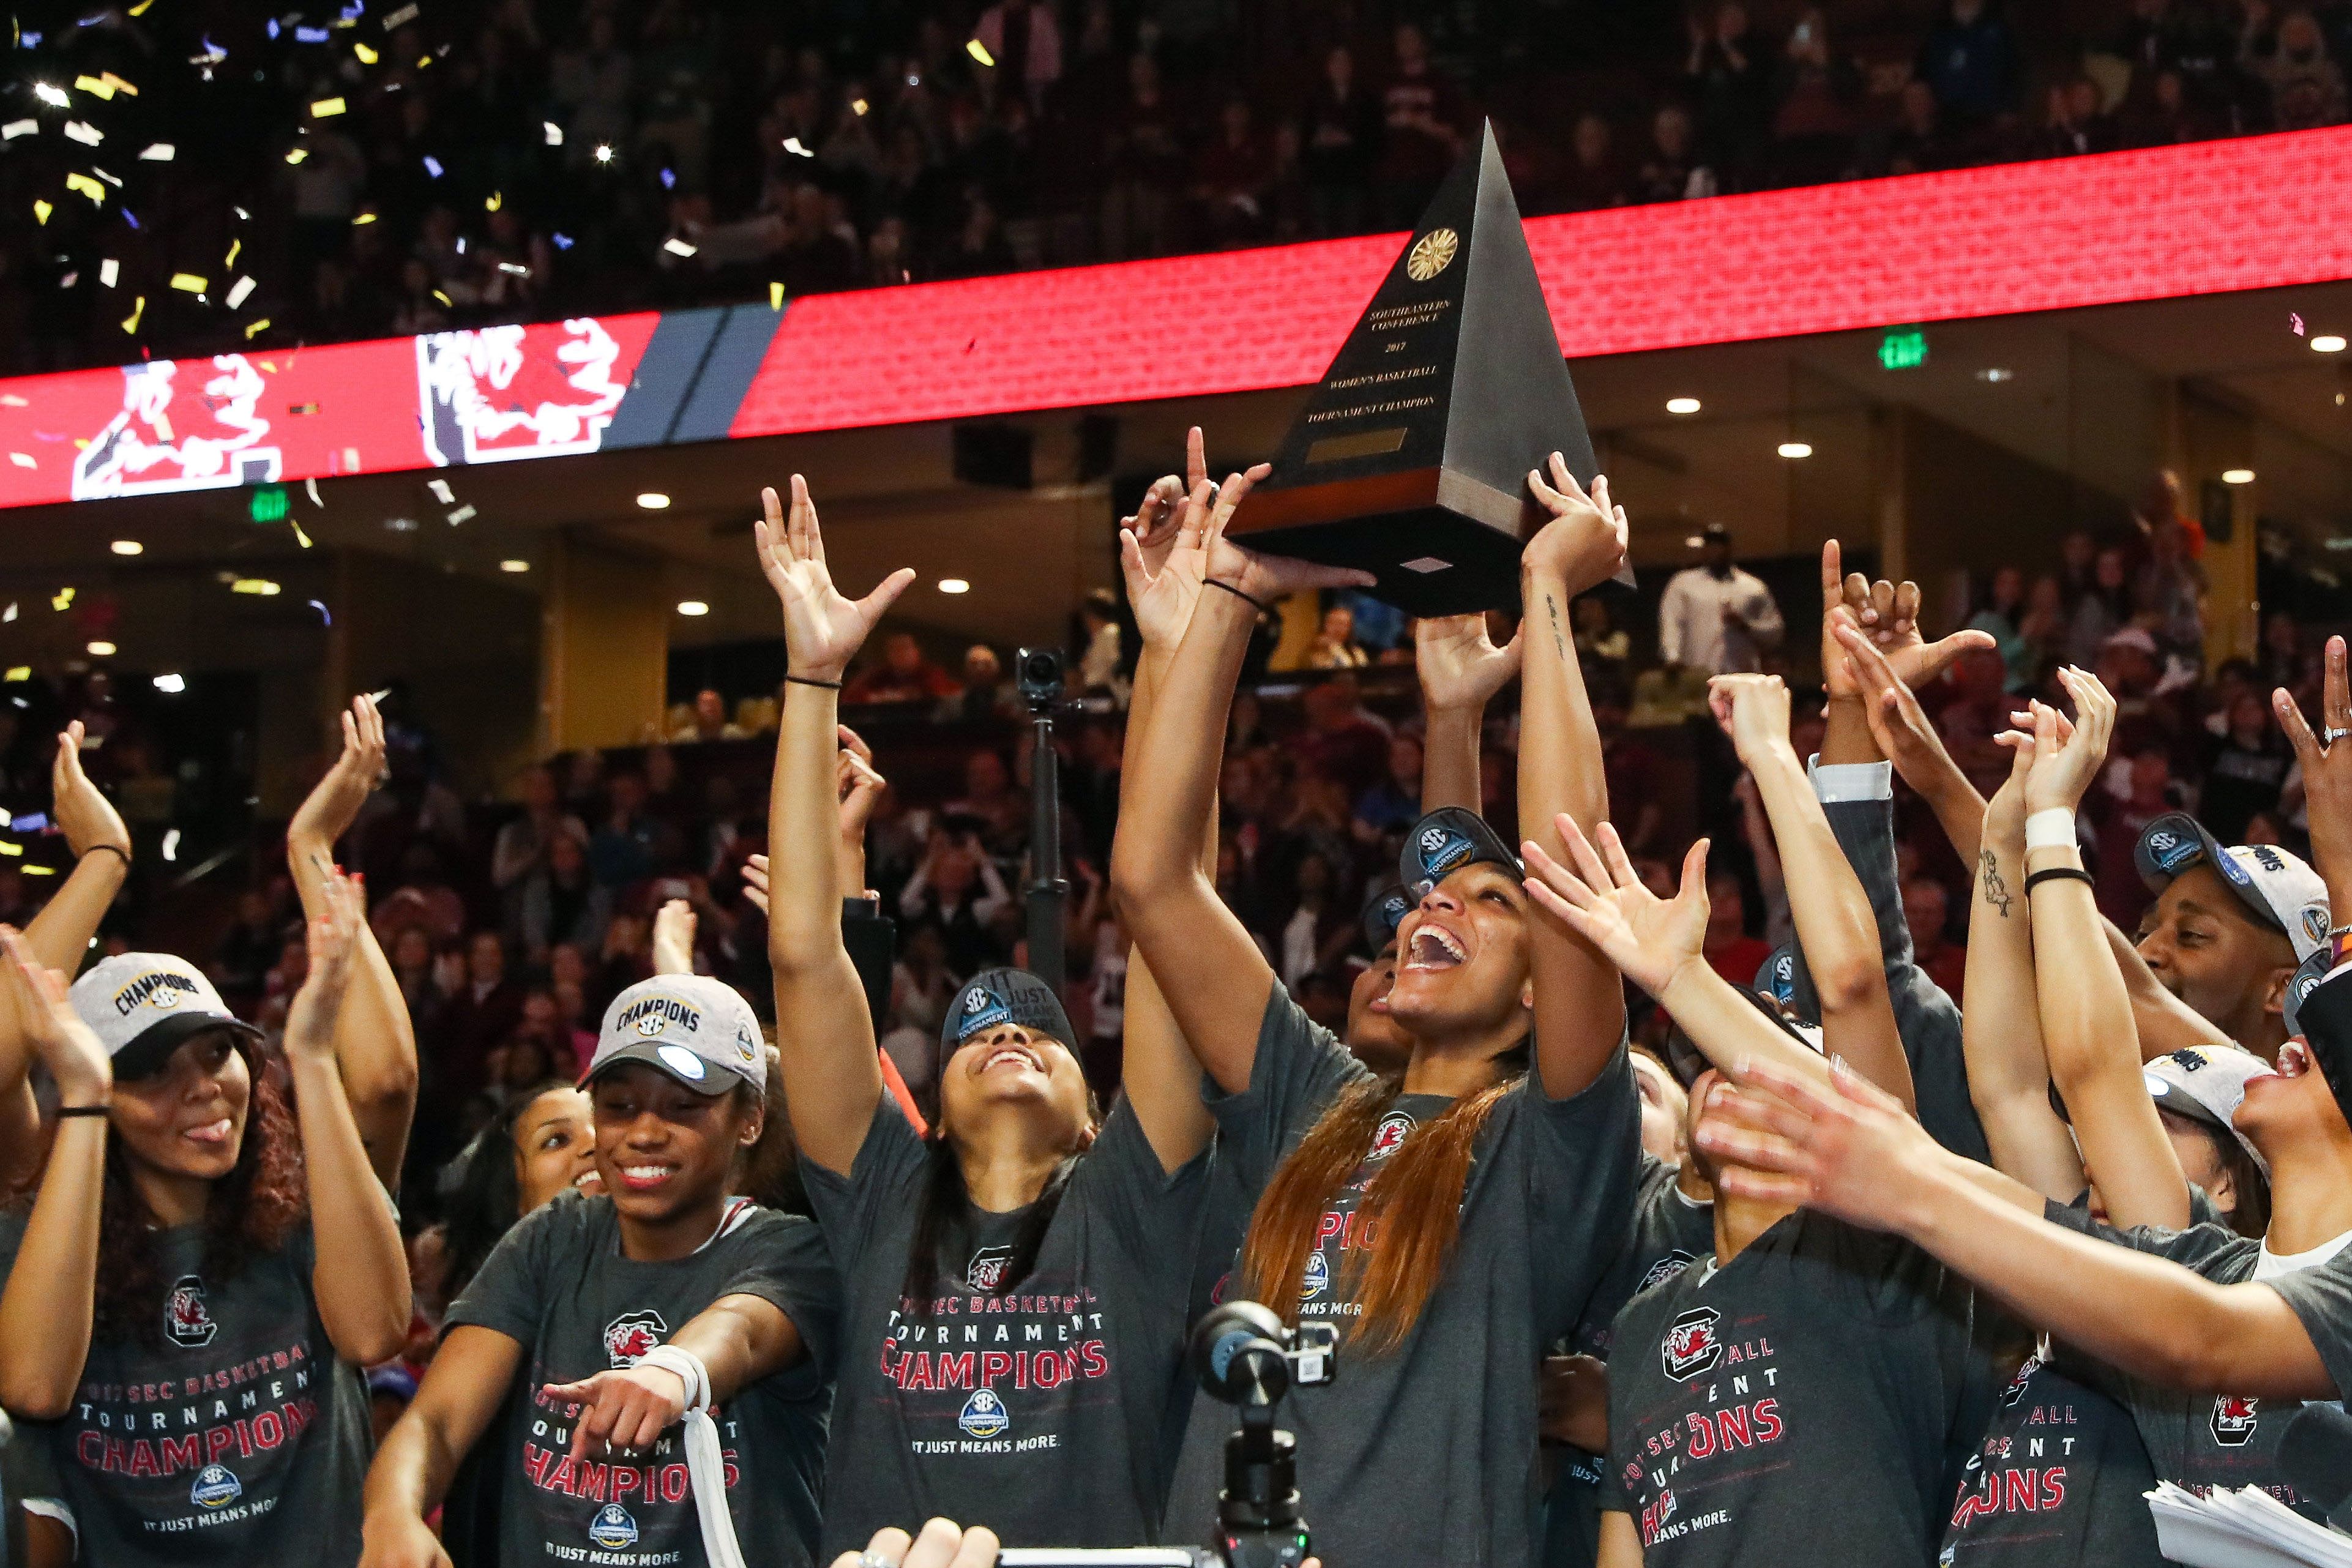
<point x="2058" y="1480"/>
<point x="1671" y="1232"/>
<point x="1810" y="1401"/>
<point x="232" y="1435"/>
<point x="559" y="1286"/>
<point x="2203" y="1441"/>
<point x="1046" y="1408"/>
<point x="1428" y="1453"/>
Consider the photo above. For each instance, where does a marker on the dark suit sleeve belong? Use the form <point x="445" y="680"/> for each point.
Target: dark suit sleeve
<point x="872" y="939"/>
<point x="1925" y="1013"/>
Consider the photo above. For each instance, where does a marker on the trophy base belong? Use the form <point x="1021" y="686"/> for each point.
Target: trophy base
<point x="1429" y="560"/>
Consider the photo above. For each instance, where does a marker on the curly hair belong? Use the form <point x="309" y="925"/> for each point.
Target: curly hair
<point x="250" y="1211"/>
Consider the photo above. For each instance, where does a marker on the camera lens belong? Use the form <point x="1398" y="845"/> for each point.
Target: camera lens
<point x="1038" y="668"/>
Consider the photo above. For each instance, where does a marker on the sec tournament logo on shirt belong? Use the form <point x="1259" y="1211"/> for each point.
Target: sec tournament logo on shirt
<point x="986" y="1271"/>
<point x="984" y="1415"/>
<point x="185" y="1321"/>
<point x="628" y="1337"/>
<point x="1318" y="1277"/>
<point x="1690" y="1346"/>
<point x="215" y="1488"/>
<point x="2234" y="1419"/>
<point x="612" y="1529"/>
<point x="1391" y="1134"/>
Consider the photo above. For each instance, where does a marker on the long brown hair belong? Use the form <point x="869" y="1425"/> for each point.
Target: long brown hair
<point x="249" y="1212"/>
<point x="1407" y="1224"/>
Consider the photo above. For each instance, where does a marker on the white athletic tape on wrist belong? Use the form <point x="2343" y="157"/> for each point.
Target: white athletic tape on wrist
<point x="2051" y="829"/>
<point x="705" y="1466"/>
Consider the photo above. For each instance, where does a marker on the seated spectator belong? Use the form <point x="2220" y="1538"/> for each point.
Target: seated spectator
<point x="1335" y="646"/>
<point x="1344" y="740"/>
<point x="1635" y="774"/>
<point x="1422" y="113"/>
<point x="561" y="901"/>
<point x="1927" y="909"/>
<point x="422" y="898"/>
<point x="1919" y="143"/>
<point x="1601" y="643"/>
<point x="479" y="1017"/>
<point x="2305" y="87"/>
<point x="2103" y="609"/>
<point x="1233" y="176"/>
<point x="999" y="811"/>
<point x="1978" y="712"/>
<point x="986" y="693"/>
<point x="1729" y="950"/>
<point x="956" y="886"/>
<point x="2073" y="124"/>
<point x="1814" y="95"/>
<point x="2245" y="769"/>
<point x="2168" y="600"/>
<point x="1393" y="804"/>
<point x="248" y="948"/>
<point x="627" y="844"/>
<point x="523" y="844"/>
<point x="1672" y="171"/>
<point x="1098" y="665"/>
<point x="1594" y="176"/>
<point x="1728" y="81"/>
<point x="1970" y="62"/>
<point x="709" y="721"/>
<point x="2000" y="617"/>
<point x="905" y="674"/>
<point x="1342" y="134"/>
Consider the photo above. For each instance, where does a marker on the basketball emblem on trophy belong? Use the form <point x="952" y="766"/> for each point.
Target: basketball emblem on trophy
<point x="1431" y="253"/>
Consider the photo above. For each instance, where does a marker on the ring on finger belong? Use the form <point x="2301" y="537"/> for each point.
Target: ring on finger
<point x="2332" y="734"/>
<point x="872" y="1559"/>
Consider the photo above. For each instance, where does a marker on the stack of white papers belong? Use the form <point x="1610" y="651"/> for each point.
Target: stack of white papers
<point x="2245" y="1529"/>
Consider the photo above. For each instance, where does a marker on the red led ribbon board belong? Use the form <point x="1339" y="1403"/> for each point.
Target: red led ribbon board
<point x="2211" y="217"/>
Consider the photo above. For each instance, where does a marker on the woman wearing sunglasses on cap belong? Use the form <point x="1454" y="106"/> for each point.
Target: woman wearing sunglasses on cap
<point x="1451" y="1225"/>
<point x="1014" y="1285"/>
<point x="182" y="1338"/>
<point x="603" y="1321"/>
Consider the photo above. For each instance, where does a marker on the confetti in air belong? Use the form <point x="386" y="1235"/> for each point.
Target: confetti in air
<point x="62" y="600"/>
<point x="497" y="200"/>
<point x="109" y="271"/>
<point x="978" y="51"/>
<point x="433" y="165"/>
<point x="256" y="329"/>
<point x="23" y="459"/>
<point x="51" y="94"/>
<point x="561" y="241"/>
<point x="138" y="309"/>
<point x="41" y="211"/>
<point x="553" y="132"/>
<point x="188" y="283"/>
<point x="239" y="292"/>
<point x="2296" y="322"/>
<point x="678" y="246"/>
<point x="400" y="18"/>
<point x="441" y="490"/>
<point x="366" y="54"/>
<point x="86" y="186"/>
<point x="228" y="262"/>
<point x="310" y="489"/>
<point x="83" y="132"/>
<point x="101" y="91"/>
<point x="311" y="35"/>
<point x="326" y="109"/>
<point x="10" y="613"/>
<point x="300" y="537"/>
<point x="324" y="614"/>
<point x="463" y="514"/>
<point x="16" y="128"/>
<point x="775" y="295"/>
<point x="159" y="152"/>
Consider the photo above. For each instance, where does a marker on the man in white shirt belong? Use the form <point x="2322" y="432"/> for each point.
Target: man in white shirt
<point x="1716" y="618"/>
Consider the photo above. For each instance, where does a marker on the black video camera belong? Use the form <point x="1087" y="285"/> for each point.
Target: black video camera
<point x="1038" y="674"/>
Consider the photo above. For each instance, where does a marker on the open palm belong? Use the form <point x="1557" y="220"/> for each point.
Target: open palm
<point x="1888" y="615"/>
<point x="824" y="628"/>
<point x="1458" y="663"/>
<point x="334" y="804"/>
<point x="1603" y="901"/>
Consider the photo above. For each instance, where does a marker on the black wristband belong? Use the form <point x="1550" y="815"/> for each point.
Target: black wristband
<point x="123" y="854"/>
<point x="812" y="680"/>
<point x="66" y="1110"/>
<point x="1262" y="607"/>
<point x="2057" y="874"/>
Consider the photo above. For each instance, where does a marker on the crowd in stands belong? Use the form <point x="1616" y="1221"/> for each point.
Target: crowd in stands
<point x="531" y="159"/>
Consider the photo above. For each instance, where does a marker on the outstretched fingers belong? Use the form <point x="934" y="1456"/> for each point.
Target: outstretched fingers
<point x="807" y="539"/>
<point x="878" y="603"/>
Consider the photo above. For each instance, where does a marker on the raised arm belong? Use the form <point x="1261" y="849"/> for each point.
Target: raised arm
<point x="52" y="1289"/>
<point x="376" y="1041"/>
<point x="2094" y="1057"/>
<point x="1835" y="927"/>
<point x="1460" y="669"/>
<point x="1580" y="1000"/>
<point x="455" y="1404"/>
<point x="360" y="1275"/>
<point x="1843" y="1147"/>
<point x="1658" y="943"/>
<point x="1215" y="980"/>
<point x="832" y="1079"/>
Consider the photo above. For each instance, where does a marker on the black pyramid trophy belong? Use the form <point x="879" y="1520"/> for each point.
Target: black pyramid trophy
<point x="1410" y="460"/>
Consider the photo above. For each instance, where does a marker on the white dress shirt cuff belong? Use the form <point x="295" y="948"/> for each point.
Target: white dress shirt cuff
<point x="1850" y="781"/>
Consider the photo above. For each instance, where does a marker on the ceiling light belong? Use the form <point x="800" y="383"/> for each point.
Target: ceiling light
<point x="1997" y="373"/>
<point x="1682" y="405"/>
<point x="2237" y="475"/>
<point x="128" y="547"/>
<point x="2327" y="344"/>
<point x="1796" y="449"/>
<point x="400" y="524"/>
<point x="514" y="565"/>
<point x="954" y="585"/>
<point x="1693" y="541"/>
<point x="174" y="684"/>
<point x="260" y="585"/>
<point x="101" y="650"/>
<point x="651" y="501"/>
<point x="692" y="607"/>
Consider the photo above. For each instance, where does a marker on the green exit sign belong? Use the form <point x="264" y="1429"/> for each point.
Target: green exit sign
<point x="266" y="504"/>
<point x="1905" y="348"/>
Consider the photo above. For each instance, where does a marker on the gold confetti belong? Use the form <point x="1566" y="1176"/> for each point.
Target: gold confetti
<point x="20" y="672"/>
<point x="366" y="53"/>
<point x="261" y="585"/>
<point x="41" y="210"/>
<point x="326" y="109"/>
<point x="40" y="871"/>
<point x="978" y="51"/>
<point x="62" y="601"/>
<point x="117" y="83"/>
<point x="296" y="154"/>
<point x="95" y="87"/>
<point x="132" y="324"/>
<point x="300" y="537"/>
<point x="775" y="295"/>
<point x="86" y="186"/>
<point x="188" y="282"/>
<point x="7" y="848"/>
<point x="257" y="328"/>
<point x="440" y="296"/>
<point x="229" y="262"/>
<point x="140" y="9"/>
<point x="362" y="218"/>
<point x="497" y="199"/>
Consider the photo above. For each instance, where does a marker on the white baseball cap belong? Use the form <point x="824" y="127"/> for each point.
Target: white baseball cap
<point x="2205" y="1084"/>
<point x="699" y="1030"/>
<point x="141" y="1006"/>
<point x="2275" y="885"/>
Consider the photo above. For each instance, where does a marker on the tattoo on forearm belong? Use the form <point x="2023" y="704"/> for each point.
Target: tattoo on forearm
<point x="1996" y="890"/>
<point x="1558" y="642"/>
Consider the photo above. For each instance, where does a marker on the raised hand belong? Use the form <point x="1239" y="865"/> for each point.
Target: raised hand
<point x="87" y="817"/>
<point x="333" y="938"/>
<point x="2065" y="764"/>
<point x="1584" y="542"/>
<point x="1458" y="663"/>
<point x="1905" y="736"/>
<point x="674" y="938"/>
<point x="755" y="882"/>
<point x="1888" y="615"/>
<point x="36" y="996"/>
<point x="1164" y="593"/>
<point x="2327" y="772"/>
<point x="1840" y="1145"/>
<point x="1262" y="577"/>
<point x="1604" y="902"/>
<point x="334" y="803"/>
<point x="627" y="1409"/>
<point x="1154" y="520"/>
<point x="824" y="628"/>
<point x="1753" y="709"/>
<point x="860" y="788"/>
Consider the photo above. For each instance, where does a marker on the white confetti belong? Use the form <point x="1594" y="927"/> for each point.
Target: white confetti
<point x="401" y="17"/>
<point x="16" y="128"/>
<point x="109" y="271"/>
<point x="158" y="153"/>
<point x="310" y="489"/>
<point x="239" y="292"/>
<point x="463" y="514"/>
<point x="554" y="132"/>
<point x="441" y="491"/>
<point x="83" y="132"/>
<point x="678" y="246"/>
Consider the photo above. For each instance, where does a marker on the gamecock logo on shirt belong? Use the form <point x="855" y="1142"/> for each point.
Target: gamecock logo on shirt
<point x="186" y="1320"/>
<point x="2234" y="1418"/>
<point x="628" y="1337"/>
<point x="1391" y="1134"/>
<point x="986" y="1271"/>
<point x="1690" y="1346"/>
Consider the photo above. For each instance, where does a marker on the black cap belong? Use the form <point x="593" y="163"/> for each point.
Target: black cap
<point x="1447" y="840"/>
<point x="996" y="996"/>
<point x="1778" y="977"/>
<point x="1384" y="910"/>
<point x="1686" y="1061"/>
